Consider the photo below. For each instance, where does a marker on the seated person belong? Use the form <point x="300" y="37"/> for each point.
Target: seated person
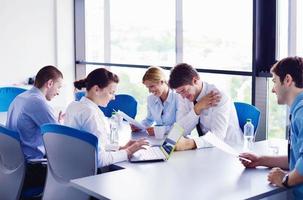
<point x="161" y="104"/>
<point x="287" y="171"/>
<point x="203" y="107"/>
<point x="27" y="113"/>
<point x="85" y="115"/>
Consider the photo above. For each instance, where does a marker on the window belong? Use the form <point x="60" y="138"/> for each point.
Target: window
<point x="94" y="34"/>
<point x="300" y="28"/>
<point x="238" y="88"/>
<point x="217" y="34"/>
<point x="282" y="29"/>
<point x="276" y="116"/>
<point x="142" y="32"/>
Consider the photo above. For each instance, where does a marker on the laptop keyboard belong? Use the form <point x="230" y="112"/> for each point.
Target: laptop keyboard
<point x="150" y="154"/>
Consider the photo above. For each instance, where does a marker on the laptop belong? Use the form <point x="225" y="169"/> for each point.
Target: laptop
<point x="162" y="152"/>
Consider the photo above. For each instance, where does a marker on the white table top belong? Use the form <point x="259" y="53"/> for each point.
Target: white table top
<point x="197" y="174"/>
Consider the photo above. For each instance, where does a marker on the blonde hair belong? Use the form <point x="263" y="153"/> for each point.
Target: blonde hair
<point x="154" y="74"/>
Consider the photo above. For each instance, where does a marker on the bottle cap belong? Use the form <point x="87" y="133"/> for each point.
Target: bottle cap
<point x="248" y="120"/>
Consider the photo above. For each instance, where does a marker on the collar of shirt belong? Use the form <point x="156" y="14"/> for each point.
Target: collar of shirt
<point x="169" y="98"/>
<point x="89" y="102"/>
<point x="297" y="100"/>
<point x="203" y="91"/>
<point x="35" y="90"/>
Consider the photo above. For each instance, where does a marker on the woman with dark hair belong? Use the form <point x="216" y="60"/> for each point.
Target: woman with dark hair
<point x="85" y="114"/>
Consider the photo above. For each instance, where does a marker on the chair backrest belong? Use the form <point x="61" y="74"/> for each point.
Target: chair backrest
<point x="12" y="164"/>
<point x="7" y="95"/>
<point x="79" y="95"/>
<point x="123" y="102"/>
<point x="245" y="111"/>
<point x="71" y="154"/>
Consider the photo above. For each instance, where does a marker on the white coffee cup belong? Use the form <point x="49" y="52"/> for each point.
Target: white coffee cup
<point x="159" y="131"/>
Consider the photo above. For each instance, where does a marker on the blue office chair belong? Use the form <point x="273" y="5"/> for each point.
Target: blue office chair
<point x="79" y="95"/>
<point x="7" y="95"/>
<point x="71" y="154"/>
<point x="12" y="165"/>
<point x="247" y="111"/>
<point x="13" y="168"/>
<point x="123" y="102"/>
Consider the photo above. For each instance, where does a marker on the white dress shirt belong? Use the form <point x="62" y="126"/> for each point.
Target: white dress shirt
<point x="220" y="120"/>
<point x="161" y="113"/>
<point x="87" y="116"/>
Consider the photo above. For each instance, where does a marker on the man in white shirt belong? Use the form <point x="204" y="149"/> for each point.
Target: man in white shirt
<point x="203" y="107"/>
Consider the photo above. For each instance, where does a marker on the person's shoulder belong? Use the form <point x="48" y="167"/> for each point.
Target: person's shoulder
<point x="298" y="110"/>
<point x="212" y="87"/>
<point x="78" y="106"/>
<point x="174" y="94"/>
<point x="225" y="99"/>
<point x="151" y="98"/>
<point x="35" y="99"/>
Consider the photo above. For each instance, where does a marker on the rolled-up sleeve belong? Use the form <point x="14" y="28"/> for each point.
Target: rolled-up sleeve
<point x="106" y="158"/>
<point x="298" y="126"/>
<point x="186" y="116"/>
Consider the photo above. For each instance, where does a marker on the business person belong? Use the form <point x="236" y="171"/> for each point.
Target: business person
<point x="288" y="87"/>
<point x="27" y="113"/>
<point x="204" y="107"/>
<point x="161" y="104"/>
<point x="85" y="114"/>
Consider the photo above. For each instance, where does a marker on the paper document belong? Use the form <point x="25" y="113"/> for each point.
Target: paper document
<point x="214" y="140"/>
<point x="131" y="120"/>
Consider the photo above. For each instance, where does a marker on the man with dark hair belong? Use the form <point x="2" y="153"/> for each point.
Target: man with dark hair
<point x="203" y="107"/>
<point x="28" y="112"/>
<point x="288" y="87"/>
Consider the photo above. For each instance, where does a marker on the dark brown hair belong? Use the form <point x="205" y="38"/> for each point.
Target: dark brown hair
<point x="100" y="77"/>
<point x="182" y="74"/>
<point x="45" y="74"/>
<point x="292" y="66"/>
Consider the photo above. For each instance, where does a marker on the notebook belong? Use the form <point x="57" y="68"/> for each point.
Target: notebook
<point x="162" y="152"/>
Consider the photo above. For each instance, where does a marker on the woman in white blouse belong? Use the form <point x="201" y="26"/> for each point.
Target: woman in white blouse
<point x="161" y="104"/>
<point x="85" y="114"/>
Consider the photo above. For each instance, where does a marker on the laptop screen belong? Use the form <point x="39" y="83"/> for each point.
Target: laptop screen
<point x="173" y="136"/>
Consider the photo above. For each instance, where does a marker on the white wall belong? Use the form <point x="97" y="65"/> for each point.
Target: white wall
<point x="35" y="33"/>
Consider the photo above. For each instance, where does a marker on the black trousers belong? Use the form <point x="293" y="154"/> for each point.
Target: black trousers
<point x="34" y="181"/>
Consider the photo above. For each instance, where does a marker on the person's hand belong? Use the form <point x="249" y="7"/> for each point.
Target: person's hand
<point x="210" y="100"/>
<point x="255" y="160"/>
<point x="134" y="128"/>
<point x="129" y="143"/>
<point x="150" y="131"/>
<point x="185" y="144"/>
<point x="276" y="176"/>
<point x="61" y="117"/>
<point x="137" y="145"/>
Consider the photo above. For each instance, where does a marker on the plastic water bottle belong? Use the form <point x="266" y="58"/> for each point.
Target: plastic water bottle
<point x="114" y="127"/>
<point x="248" y="135"/>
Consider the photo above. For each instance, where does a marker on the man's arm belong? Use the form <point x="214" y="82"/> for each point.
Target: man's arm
<point x="267" y="161"/>
<point x="186" y="115"/>
<point x="40" y="112"/>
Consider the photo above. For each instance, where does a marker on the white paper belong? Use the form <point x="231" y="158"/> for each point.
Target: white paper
<point x="214" y="140"/>
<point x="131" y="120"/>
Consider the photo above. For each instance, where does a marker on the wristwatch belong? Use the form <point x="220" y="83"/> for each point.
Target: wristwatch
<point x="285" y="181"/>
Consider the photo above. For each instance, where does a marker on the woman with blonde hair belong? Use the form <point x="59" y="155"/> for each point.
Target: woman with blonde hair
<point x="161" y="104"/>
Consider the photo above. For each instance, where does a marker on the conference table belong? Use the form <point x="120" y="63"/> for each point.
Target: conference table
<point x="205" y="173"/>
